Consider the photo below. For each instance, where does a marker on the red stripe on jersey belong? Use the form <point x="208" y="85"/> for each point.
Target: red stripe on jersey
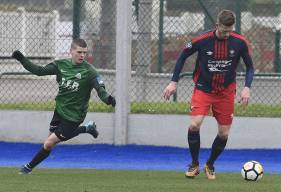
<point x="203" y="36"/>
<point x="220" y="50"/>
<point x="216" y="50"/>
<point x="218" y="82"/>
<point x="225" y="50"/>
<point x="214" y="81"/>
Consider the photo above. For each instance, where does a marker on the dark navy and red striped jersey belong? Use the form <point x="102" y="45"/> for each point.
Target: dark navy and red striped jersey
<point x="216" y="61"/>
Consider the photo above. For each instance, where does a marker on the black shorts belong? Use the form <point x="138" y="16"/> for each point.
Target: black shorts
<point x="63" y="128"/>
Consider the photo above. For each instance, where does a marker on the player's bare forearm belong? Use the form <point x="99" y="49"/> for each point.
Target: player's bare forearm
<point x="245" y="96"/>
<point x="170" y="89"/>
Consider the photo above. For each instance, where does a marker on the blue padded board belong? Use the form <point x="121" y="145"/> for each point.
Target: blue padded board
<point x="136" y="157"/>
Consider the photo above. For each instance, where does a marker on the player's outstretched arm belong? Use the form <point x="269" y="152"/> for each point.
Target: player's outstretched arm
<point x="111" y="101"/>
<point x="98" y="85"/>
<point x="105" y="97"/>
<point x="49" y="69"/>
<point x="18" y="55"/>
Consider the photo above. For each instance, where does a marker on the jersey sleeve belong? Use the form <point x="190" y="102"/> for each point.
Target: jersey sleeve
<point x="98" y="84"/>
<point x="247" y="58"/>
<point x="189" y="49"/>
<point x="49" y="69"/>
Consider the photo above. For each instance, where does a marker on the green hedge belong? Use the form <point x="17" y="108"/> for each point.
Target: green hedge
<point x="253" y="110"/>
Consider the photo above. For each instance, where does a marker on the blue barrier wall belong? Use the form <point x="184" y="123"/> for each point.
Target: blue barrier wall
<point x="135" y="157"/>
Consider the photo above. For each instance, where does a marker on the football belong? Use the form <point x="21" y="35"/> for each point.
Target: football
<point x="252" y="171"/>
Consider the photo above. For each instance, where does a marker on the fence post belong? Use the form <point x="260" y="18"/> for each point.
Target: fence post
<point x="136" y="4"/>
<point x="161" y="37"/>
<point x="76" y="18"/>
<point x="208" y="23"/>
<point x="277" y="67"/>
<point x="238" y="16"/>
<point x="23" y="29"/>
<point x="123" y="69"/>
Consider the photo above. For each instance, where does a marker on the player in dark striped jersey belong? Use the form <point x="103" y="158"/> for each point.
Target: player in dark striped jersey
<point x="76" y="79"/>
<point x="219" y="52"/>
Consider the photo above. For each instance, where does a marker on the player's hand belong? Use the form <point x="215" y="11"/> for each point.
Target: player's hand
<point x="18" y="55"/>
<point x="111" y="101"/>
<point x="170" y="89"/>
<point x="245" y="96"/>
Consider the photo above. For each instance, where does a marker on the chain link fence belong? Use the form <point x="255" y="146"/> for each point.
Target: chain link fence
<point x="43" y="30"/>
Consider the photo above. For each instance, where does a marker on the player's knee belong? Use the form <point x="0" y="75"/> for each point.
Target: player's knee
<point x="223" y="136"/>
<point x="48" y="145"/>
<point x="194" y="127"/>
<point x="223" y="131"/>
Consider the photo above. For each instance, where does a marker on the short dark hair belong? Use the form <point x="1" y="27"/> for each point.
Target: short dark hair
<point x="78" y="42"/>
<point x="226" y="17"/>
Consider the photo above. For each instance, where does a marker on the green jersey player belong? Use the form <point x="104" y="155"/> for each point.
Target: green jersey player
<point x="76" y="79"/>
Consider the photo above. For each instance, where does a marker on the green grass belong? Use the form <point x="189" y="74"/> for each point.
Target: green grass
<point x="90" y="180"/>
<point x="253" y="110"/>
<point x="49" y="106"/>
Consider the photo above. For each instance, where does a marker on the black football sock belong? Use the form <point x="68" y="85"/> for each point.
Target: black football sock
<point x="194" y="145"/>
<point x="38" y="158"/>
<point x="217" y="148"/>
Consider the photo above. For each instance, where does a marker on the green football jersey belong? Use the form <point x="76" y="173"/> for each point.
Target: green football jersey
<point x="76" y="82"/>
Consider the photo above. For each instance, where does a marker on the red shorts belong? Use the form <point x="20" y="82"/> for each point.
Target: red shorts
<point x="221" y="103"/>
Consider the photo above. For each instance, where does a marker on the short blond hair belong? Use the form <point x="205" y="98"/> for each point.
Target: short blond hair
<point x="226" y="17"/>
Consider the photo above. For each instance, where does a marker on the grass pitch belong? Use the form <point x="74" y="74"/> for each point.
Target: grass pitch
<point x="90" y="180"/>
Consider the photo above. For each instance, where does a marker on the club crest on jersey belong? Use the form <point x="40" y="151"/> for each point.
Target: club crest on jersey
<point x="209" y="53"/>
<point x="231" y="53"/>
<point x="78" y="76"/>
<point x="189" y="45"/>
